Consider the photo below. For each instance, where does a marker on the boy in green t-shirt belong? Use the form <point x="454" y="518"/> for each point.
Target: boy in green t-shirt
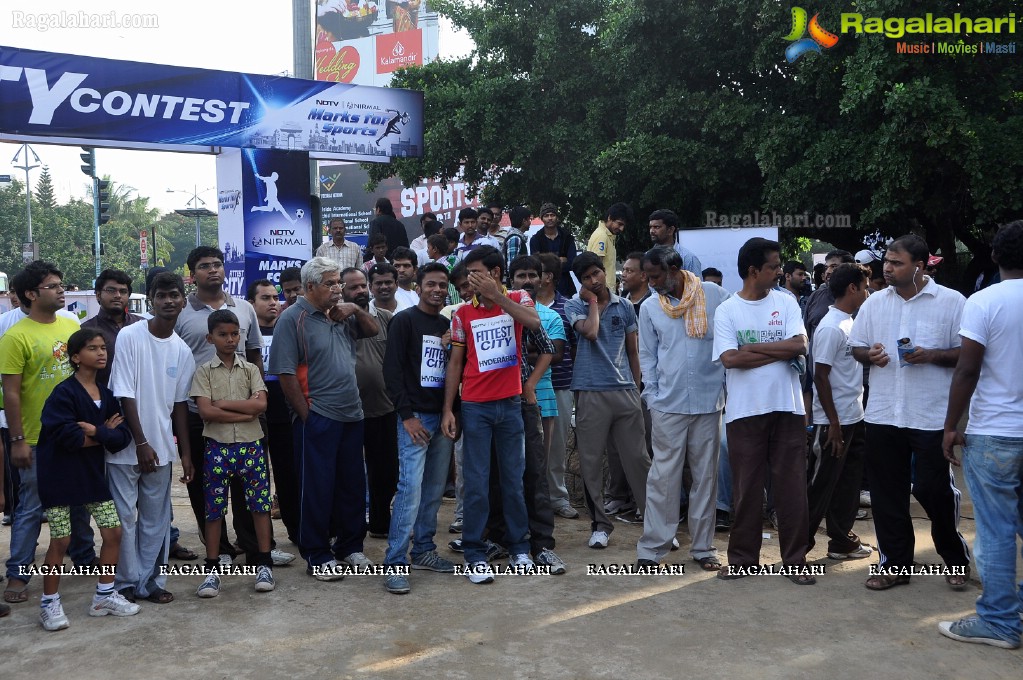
<point x="33" y="360"/>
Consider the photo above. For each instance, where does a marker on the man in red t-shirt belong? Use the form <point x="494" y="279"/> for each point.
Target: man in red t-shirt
<point x="485" y="357"/>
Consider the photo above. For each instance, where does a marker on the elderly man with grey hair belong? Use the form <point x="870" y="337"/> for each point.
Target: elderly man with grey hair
<point x="314" y="356"/>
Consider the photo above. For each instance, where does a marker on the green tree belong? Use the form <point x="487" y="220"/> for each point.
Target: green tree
<point x="44" y="193"/>
<point x="692" y="106"/>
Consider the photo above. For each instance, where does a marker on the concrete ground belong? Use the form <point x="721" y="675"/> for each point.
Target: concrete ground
<point x="571" y="626"/>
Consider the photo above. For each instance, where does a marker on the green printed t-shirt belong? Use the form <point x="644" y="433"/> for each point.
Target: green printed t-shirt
<point x="38" y="353"/>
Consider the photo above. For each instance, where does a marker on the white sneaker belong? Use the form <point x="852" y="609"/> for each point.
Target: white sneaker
<point x="864" y="499"/>
<point x="598" y="539"/>
<point x="113" y="604"/>
<point x="226" y="560"/>
<point x="480" y="572"/>
<point x="328" y="571"/>
<point x="210" y="586"/>
<point x="281" y="557"/>
<point x="522" y="560"/>
<point x="860" y="553"/>
<point x="358" y="560"/>
<point x="52" y="616"/>
<point x="265" y="580"/>
<point x="615" y="507"/>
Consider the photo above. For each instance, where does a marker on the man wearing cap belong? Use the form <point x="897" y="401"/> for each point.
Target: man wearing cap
<point x="554" y="238"/>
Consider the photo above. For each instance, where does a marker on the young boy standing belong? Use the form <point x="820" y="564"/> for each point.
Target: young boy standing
<point x="231" y="395"/>
<point x="152" y="370"/>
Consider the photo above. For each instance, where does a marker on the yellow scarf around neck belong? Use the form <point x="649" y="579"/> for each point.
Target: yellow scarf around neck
<point x="692" y="306"/>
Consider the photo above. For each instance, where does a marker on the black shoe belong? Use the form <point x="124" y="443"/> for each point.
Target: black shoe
<point x="646" y="564"/>
<point x="456" y="545"/>
<point x="722" y="521"/>
<point x="630" y="517"/>
<point x="495" y="552"/>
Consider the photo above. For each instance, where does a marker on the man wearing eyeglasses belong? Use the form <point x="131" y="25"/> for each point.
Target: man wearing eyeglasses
<point x="113" y="291"/>
<point x="33" y="360"/>
<point x="206" y="265"/>
<point x="313" y="355"/>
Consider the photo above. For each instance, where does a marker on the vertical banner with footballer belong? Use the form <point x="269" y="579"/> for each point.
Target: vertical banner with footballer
<point x="272" y="211"/>
<point x="230" y="220"/>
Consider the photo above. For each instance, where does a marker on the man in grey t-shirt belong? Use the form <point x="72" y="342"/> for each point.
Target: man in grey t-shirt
<point x="314" y="356"/>
<point x="606" y="379"/>
<point x="206" y="265"/>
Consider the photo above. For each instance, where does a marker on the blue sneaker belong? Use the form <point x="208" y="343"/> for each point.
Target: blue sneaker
<point x="972" y="629"/>
<point x="433" y="562"/>
<point x="397" y="584"/>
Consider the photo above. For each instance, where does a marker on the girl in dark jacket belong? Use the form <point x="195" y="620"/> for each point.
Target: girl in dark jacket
<point x="80" y="420"/>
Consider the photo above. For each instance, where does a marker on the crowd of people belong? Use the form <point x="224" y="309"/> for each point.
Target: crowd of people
<point x="464" y="359"/>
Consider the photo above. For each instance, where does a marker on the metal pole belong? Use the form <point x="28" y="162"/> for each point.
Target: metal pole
<point x="26" y="149"/>
<point x="28" y="202"/>
<point x="198" y="232"/>
<point x="95" y="222"/>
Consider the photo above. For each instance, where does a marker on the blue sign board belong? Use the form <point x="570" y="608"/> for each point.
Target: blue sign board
<point x="86" y="98"/>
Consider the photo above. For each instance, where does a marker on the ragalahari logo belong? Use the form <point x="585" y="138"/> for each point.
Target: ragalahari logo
<point x="819" y="37"/>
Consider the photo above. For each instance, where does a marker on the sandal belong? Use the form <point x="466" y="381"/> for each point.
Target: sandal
<point x="180" y="552"/>
<point x="958" y="581"/>
<point x="14" y="595"/>
<point x="708" y="563"/>
<point x="128" y="593"/>
<point x="884" y="582"/>
<point x="160" y="596"/>
<point x="803" y="579"/>
<point x="726" y="574"/>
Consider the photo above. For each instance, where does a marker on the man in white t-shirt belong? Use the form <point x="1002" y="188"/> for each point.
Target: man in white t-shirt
<point x="836" y="452"/>
<point x="908" y="395"/>
<point x="760" y="339"/>
<point x="989" y="369"/>
<point x="405" y="262"/>
<point x="151" y="375"/>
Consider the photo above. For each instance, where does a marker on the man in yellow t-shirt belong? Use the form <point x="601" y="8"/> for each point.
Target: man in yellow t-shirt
<point x="602" y="241"/>
<point x="33" y="360"/>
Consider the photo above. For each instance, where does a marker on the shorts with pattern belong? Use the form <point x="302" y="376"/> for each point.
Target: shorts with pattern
<point x="59" y="517"/>
<point x="223" y="461"/>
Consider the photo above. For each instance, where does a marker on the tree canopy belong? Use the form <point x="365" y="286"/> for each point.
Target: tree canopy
<point x="692" y="106"/>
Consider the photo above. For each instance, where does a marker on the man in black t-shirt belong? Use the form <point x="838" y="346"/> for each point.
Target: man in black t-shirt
<point x="263" y="297"/>
<point x="415" y="365"/>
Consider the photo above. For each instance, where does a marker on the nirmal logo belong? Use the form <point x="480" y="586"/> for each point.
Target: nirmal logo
<point x="819" y="37"/>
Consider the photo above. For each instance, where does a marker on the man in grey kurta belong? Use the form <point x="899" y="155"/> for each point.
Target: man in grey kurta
<point x="684" y="390"/>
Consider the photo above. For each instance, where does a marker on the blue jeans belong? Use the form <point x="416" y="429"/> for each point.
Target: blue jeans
<point x="994" y="474"/>
<point x="499" y="422"/>
<point x="28" y="521"/>
<point x="422" y="476"/>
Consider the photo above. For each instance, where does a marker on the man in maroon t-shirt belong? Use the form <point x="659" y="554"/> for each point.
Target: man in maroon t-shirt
<point x="484" y="360"/>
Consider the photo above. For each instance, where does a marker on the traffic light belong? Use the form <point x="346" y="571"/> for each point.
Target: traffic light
<point x="88" y="161"/>
<point x="102" y="196"/>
